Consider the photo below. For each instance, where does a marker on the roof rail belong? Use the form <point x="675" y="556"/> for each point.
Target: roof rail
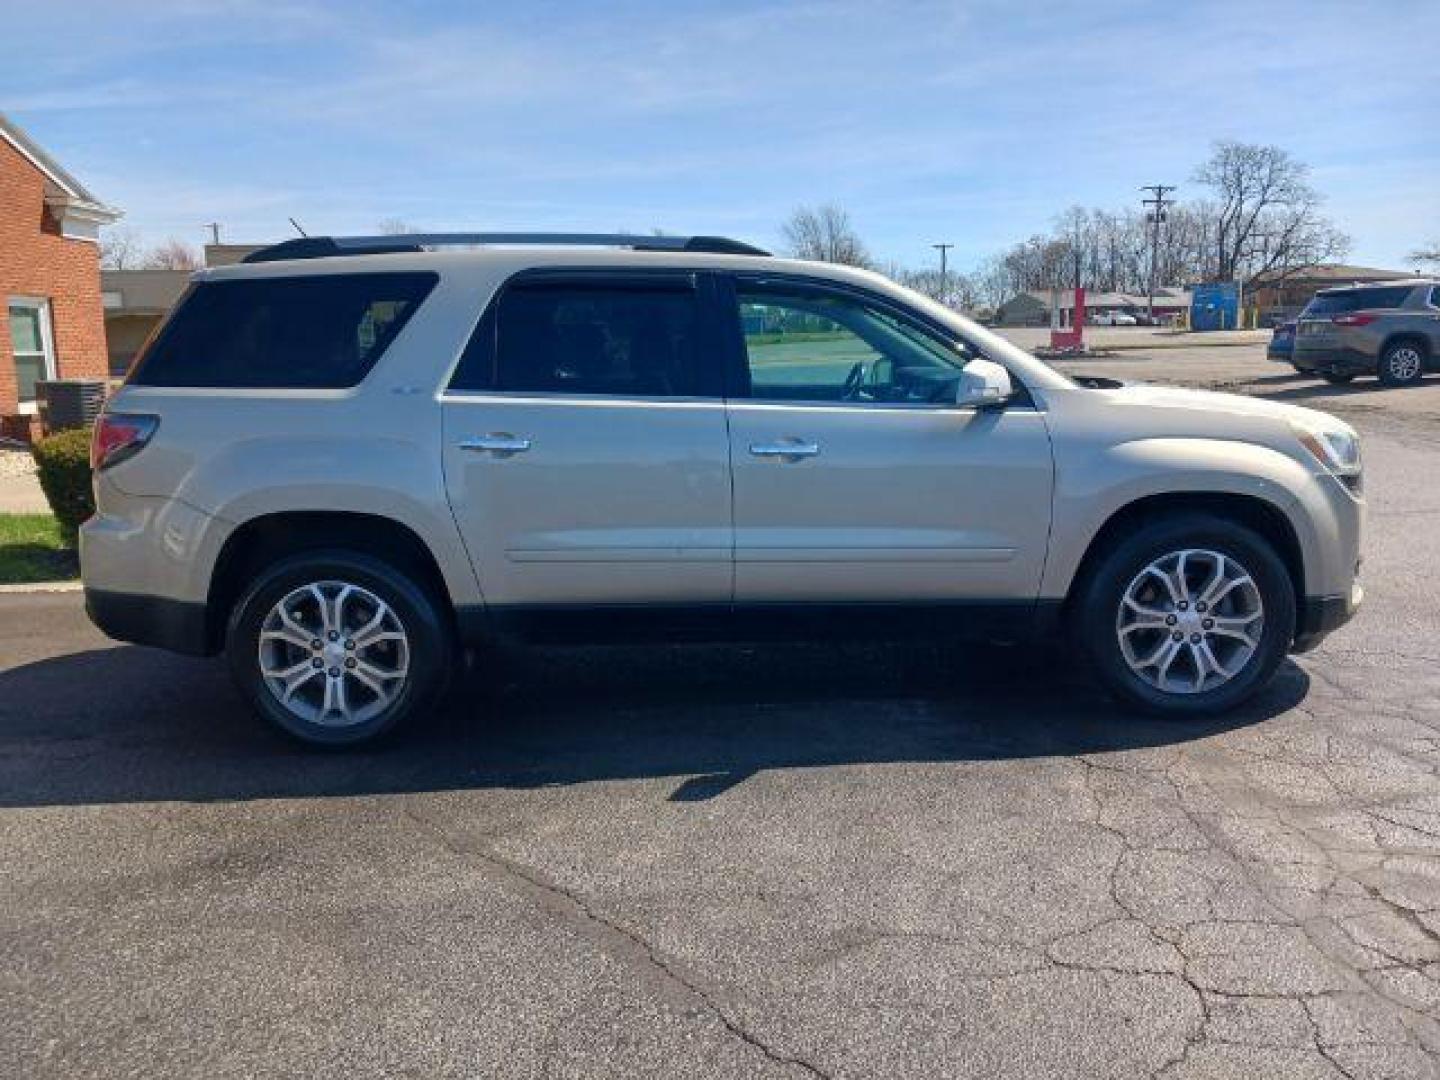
<point x="319" y="247"/>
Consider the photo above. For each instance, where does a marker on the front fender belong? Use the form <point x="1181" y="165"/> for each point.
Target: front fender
<point x="1092" y="488"/>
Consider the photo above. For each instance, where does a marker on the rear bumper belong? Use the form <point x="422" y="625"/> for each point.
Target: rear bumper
<point x="149" y="620"/>
<point x="1320" y="615"/>
<point x="1338" y="361"/>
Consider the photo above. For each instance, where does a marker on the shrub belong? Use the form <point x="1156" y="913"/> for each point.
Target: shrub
<point x="63" y="462"/>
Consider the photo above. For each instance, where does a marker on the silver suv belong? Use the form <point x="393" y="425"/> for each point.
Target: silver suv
<point x="350" y="459"/>
<point x="1390" y="330"/>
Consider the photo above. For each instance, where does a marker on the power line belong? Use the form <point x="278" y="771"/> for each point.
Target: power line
<point x="1157" y="218"/>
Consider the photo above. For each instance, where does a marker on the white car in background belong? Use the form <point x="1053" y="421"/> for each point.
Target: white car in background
<point x="1114" y="318"/>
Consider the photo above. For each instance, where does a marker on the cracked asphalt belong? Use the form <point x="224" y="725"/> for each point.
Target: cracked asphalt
<point x="779" y="861"/>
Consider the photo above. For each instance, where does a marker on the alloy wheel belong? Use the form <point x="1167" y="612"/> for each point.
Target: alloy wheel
<point x="1404" y="362"/>
<point x="333" y="653"/>
<point x="1190" y="621"/>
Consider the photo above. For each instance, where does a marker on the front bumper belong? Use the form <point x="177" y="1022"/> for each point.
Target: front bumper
<point x="1321" y="615"/>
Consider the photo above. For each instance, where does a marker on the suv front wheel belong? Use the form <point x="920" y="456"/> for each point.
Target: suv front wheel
<point x="337" y="648"/>
<point x="1188" y="615"/>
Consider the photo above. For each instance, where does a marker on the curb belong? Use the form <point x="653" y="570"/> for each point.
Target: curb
<point x="41" y="587"/>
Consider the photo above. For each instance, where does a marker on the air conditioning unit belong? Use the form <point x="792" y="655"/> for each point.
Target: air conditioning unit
<point x="69" y="403"/>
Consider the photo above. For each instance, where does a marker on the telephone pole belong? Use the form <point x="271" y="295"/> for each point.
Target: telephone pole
<point x="1156" y="214"/>
<point x="214" y="227"/>
<point x="944" y="276"/>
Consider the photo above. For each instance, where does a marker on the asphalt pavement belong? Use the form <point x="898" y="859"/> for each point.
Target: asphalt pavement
<point x="789" y="861"/>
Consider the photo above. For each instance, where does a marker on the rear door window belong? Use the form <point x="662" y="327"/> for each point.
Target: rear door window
<point x="616" y="338"/>
<point x="1337" y="303"/>
<point x="315" y="332"/>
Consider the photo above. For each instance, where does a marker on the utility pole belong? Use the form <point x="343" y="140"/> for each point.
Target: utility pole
<point x="214" y="227"/>
<point x="1157" y="217"/>
<point x="944" y="276"/>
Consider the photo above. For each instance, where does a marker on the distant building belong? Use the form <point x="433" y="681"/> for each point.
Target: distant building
<point x="135" y="302"/>
<point x="1281" y="296"/>
<point x="1032" y="307"/>
<point x="51" y="321"/>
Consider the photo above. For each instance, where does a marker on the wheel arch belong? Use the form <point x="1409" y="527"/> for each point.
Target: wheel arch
<point x="1252" y="511"/>
<point x="1398" y="336"/>
<point x="263" y="539"/>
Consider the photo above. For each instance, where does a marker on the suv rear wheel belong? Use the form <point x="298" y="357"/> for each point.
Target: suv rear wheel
<point x="1188" y="615"/>
<point x="337" y="648"/>
<point x="1402" y="363"/>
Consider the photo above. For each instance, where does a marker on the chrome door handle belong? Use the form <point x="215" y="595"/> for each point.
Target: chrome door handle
<point x="497" y="442"/>
<point x="786" y="448"/>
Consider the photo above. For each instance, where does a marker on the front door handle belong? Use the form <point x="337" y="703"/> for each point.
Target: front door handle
<point x="791" y="448"/>
<point x="501" y="443"/>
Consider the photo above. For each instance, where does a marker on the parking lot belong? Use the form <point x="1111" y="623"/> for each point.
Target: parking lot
<point x="790" y="861"/>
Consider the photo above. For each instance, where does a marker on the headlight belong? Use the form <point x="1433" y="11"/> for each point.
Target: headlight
<point x="1337" y="450"/>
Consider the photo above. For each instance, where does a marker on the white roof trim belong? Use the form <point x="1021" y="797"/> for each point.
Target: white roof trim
<point x="72" y="197"/>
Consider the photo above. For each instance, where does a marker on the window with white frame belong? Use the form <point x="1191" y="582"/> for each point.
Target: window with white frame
<point x="32" y="345"/>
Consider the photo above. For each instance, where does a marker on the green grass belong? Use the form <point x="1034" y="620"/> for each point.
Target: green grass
<point x="31" y="549"/>
<point x="795" y="337"/>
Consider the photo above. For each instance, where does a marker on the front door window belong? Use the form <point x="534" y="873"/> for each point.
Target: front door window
<point x="804" y="345"/>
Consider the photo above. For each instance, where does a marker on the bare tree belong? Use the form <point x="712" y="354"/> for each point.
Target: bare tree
<point x="173" y="255"/>
<point x="825" y="234"/>
<point x="120" y="249"/>
<point x="395" y="226"/>
<point x="1268" y="218"/>
<point x="1429" y="255"/>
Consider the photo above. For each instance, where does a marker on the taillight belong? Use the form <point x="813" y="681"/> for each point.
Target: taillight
<point x="1359" y="319"/>
<point x="119" y="436"/>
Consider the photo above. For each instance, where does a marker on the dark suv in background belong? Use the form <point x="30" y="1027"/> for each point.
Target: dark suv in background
<point x="1390" y="330"/>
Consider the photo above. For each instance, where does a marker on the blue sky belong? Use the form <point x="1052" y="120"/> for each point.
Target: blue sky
<point x="968" y="122"/>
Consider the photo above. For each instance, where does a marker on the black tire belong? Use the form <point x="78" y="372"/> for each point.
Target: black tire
<point x="1336" y="379"/>
<point x="428" y="643"/>
<point x="1096" y="616"/>
<point x="1402" y="363"/>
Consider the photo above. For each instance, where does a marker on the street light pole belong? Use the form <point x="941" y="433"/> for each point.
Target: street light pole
<point x="1157" y="216"/>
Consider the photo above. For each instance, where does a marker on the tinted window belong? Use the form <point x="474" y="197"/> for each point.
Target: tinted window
<point x="612" y="339"/>
<point x="1435" y="296"/>
<point x="1334" y="303"/>
<point x="809" y="345"/>
<point x="317" y="332"/>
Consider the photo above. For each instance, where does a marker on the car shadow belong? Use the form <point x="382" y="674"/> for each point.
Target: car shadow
<point x="135" y="725"/>
<point x="1299" y="387"/>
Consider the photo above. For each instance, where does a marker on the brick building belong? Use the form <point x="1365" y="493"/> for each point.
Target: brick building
<point x="51" y="321"/>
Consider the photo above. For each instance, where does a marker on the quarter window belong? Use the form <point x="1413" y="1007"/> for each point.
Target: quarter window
<point x="32" y="345"/>
<point x="606" y="339"/>
<point x="318" y="332"/>
<point x="813" y="345"/>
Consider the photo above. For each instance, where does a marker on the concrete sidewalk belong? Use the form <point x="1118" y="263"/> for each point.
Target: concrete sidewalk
<point x="19" y="489"/>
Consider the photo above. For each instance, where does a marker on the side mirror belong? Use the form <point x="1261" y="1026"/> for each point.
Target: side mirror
<point x="983" y="384"/>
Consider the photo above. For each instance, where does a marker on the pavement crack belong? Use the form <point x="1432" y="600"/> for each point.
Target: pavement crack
<point x="615" y="938"/>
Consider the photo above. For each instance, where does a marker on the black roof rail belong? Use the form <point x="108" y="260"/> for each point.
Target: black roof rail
<point x="319" y="247"/>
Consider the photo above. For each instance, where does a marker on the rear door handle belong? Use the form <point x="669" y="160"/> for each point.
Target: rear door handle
<point x="497" y="442"/>
<point x="786" y="448"/>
